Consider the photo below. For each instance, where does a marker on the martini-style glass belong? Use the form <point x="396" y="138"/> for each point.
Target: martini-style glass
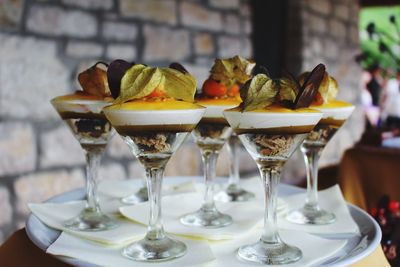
<point x="234" y="192"/>
<point x="153" y="136"/>
<point x="271" y="138"/>
<point x="210" y="136"/>
<point x="333" y="118"/>
<point x="90" y="127"/>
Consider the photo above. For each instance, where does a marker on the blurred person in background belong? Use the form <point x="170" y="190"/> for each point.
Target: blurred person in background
<point x="375" y="84"/>
<point x="391" y="102"/>
<point x="370" y="96"/>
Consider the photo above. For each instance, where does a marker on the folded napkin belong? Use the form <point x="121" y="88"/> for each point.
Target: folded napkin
<point x="54" y="214"/>
<point x="246" y="216"/>
<point x="198" y="253"/>
<point x="330" y="199"/>
<point x="123" y="188"/>
<point x="315" y="249"/>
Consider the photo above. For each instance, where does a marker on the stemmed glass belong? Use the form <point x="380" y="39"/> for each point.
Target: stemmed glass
<point x="311" y="148"/>
<point x="153" y="136"/>
<point x="210" y="136"/>
<point x="271" y="138"/>
<point x="90" y="127"/>
<point x="234" y="192"/>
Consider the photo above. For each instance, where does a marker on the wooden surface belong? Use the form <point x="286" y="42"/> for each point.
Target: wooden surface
<point x="366" y="173"/>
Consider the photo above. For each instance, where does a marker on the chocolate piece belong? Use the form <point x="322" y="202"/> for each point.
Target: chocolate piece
<point x="115" y="72"/>
<point x="179" y="67"/>
<point x="310" y="87"/>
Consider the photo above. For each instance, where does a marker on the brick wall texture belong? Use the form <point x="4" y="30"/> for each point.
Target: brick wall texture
<point x="45" y="43"/>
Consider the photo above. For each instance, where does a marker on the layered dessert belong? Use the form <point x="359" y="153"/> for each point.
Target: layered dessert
<point x="220" y="92"/>
<point x="154" y="112"/>
<point x="335" y="113"/>
<point x="272" y="117"/>
<point x="271" y="122"/>
<point x="82" y="110"/>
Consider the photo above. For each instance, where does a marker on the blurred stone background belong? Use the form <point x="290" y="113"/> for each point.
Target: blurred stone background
<point x="45" y="43"/>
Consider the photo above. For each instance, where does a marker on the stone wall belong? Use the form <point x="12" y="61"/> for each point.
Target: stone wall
<point x="326" y="31"/>
<point x="45" y="43"/>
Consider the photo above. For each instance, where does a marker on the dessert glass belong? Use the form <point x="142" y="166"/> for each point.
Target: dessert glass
<point x="90" y="127"/>
<point x="271" y="138"/>
<point x="234" y="192"/>
<point x="333" y="118"/>
<point x="153" y="136"/>
<point x="210" y="136"/>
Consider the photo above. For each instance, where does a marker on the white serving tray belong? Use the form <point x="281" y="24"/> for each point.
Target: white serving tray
<point x="357" y="247"/>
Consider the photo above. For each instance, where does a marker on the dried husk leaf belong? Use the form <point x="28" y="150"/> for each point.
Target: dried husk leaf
<point x="261" y="92"/>
<point x="333" y="89"/>
<point x="94" y="81"/>
<point x="179" y="85"/>
<point x="138" y="82"/>
<point x="324" y="87"/>
<point x="230" y="71"/>
<point x="288" y="89"/>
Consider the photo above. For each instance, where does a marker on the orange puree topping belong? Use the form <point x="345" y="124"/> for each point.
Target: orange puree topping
<point x="219" y="101"/>
<point x="80" y="95"/>
<point x="333" y="104"/>
<point x="280" y="109"/>
<point x="155" y="104"/>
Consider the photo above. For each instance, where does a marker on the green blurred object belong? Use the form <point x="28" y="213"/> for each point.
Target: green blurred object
<point x="380" y="26"/>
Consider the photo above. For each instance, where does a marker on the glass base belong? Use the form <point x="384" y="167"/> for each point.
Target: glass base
<point x="207" y="219"/>
<point x="155" y="250"/>
<point x="278" y="253"/>
<point x="234" y="193"/>
<point x="89" y="220"/>
<point x="140" y="196"/>
<point x="311" y="216"/>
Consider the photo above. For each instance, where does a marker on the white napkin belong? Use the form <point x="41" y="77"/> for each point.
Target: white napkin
<point x="198" y="253"/>
<point x="246" y="216"/>
<point x="123" y="188"/>
<point x="54" y="214"/>
<point x="330" y="199"/>
<point x="315" y="249"/>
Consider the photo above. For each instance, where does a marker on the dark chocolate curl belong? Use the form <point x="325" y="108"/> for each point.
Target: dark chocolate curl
<point x="179" y="67"/>
<point x="115" y="72"/>
<point x="310" y="87"/>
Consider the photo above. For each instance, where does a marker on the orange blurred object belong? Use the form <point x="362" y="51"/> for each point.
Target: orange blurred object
<point x="318" y="100"/>
<point x="234" y="91"/>
<point x="214" y="88"/>
<point x="156" y="93"/>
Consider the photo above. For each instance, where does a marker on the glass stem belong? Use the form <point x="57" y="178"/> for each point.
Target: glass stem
<point x="233" y="146"/>
<point x="155" y="230"/>
<point x="270" y="178"/>
<point x="311" y="159"/>
<point x="93" y="158"/>
<point x="209" y="162"/>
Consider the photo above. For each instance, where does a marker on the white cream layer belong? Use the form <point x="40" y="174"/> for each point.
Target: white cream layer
<point x="79" y="106"/>
<point x="119" y="117"/>
<point x="216" y="111"/>
<point x="340" y="113"/>
<point x="265" y="120"/>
